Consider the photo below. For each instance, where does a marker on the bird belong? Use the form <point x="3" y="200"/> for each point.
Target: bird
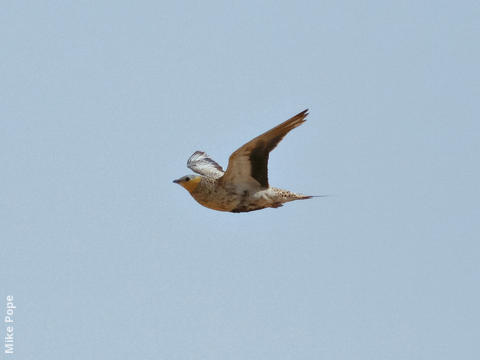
<point x="244" y="186"/>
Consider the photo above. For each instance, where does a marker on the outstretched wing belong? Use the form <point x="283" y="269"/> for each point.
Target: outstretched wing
<point x="248" y="165"/>
<point x="202" y="164"/>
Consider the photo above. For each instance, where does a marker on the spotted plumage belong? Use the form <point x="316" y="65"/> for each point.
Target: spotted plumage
<point x="244" y="185"/>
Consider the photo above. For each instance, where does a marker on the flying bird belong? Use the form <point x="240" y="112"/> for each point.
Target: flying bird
<point x="244" y="185"/>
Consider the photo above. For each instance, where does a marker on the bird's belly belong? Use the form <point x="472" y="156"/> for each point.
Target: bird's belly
<point x="255" y="201"/>
<point x="217" y="199"/>
<point x="223" y="199"/>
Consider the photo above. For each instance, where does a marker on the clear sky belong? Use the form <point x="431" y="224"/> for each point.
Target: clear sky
<point x="102" y="103"/>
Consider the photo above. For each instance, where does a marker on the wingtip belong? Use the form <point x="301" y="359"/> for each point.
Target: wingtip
<point x="304" y="113"/>
<point x="301" y="116"/>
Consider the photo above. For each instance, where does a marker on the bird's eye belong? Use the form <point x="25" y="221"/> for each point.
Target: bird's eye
<point x="187" y="179"/>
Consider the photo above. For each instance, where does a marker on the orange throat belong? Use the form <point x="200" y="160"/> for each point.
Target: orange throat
<point x="191" y="185"/>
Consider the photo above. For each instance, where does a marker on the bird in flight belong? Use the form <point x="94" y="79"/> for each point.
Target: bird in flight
<point x="244" y="185"/>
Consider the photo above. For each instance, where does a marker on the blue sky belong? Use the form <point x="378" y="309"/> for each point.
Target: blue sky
<point x="103" y="103"/>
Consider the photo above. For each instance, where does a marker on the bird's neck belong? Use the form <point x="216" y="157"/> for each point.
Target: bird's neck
<point x="192" y="184"/>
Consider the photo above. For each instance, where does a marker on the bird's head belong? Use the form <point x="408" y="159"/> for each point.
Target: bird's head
<point x="189" y="182"/>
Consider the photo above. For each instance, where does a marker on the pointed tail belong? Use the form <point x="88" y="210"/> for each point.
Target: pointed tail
<point x="305" y="197"/>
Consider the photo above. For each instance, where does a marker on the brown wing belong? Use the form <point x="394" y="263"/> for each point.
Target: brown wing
<point x="248" y="165"/>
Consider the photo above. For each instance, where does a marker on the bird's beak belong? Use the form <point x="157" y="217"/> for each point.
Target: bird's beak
<point x="177" y="181"/>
